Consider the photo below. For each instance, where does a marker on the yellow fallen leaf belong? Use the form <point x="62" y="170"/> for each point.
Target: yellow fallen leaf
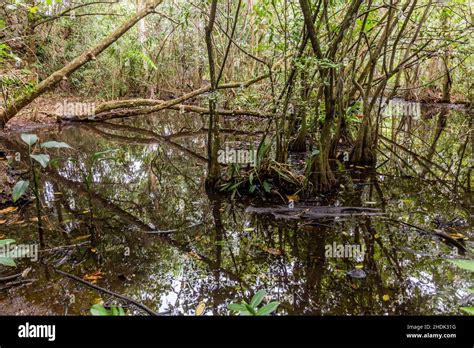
<point x="200" y="308"/>
<point x="87" y="236"/>
<point x="386" y="297"/>
<point x="2" y="222"/>
<point x="249" y="229"/>
<point x="94" y="250"/>
<point x="97" y="300"/>
<point x="359" y="266"/>
<point x="458" y="236"/>
<point x="8" y="210"/>
<point x="272" y="251"/>
<point x="93" y="277"/>
<point x="293" y="198"/>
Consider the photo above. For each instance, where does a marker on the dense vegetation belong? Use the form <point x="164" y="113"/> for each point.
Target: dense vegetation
<point x="316" y="69"/>
<point x="175" y="114"/>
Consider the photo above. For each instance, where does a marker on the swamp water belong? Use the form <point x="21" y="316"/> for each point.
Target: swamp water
<point x="214" y="252"/>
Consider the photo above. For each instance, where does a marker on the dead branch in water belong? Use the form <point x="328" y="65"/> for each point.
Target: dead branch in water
<point x="98" y="288"/>
<point x="306" y="212"/>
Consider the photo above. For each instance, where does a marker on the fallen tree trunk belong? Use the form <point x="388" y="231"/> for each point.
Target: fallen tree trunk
<point x="157" y="104"/>
<point x="12" y="109"/>
<point x="133" y="107"/>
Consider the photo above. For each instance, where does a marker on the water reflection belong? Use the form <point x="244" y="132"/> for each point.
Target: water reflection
<point x="146" y="223"/>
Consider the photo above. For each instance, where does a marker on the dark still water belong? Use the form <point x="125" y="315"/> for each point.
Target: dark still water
<point x="115" y="208"/>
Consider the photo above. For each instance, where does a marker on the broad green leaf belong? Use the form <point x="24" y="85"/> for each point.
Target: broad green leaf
<point x="469" y="310"/>
<point x="42" y="159"/>
<point x="471" y="290"/>
<point x="30" y="139"/>
<point x="114" y="311"/>
<point x="19" y="189"/>
<point x="6" y="261"/>
<point x="6" y="241"/>
<point x="55" y="145"/>
<point x="237" y="307"/>
<point x="49" y="2"/>
<point x="268" y="308"/>
<point x="464" y="264"/>
<point x="257" y="298"/>
<point x="250" y="309"/>
<point x="121" y="312"/>
<point x="98" y="309"/>
<point x="266" y="186"/>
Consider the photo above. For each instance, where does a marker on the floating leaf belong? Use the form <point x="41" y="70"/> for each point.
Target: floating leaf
<point x="55" y="145"/>
<point x="30" y="139"/>
<point x="200" y="308"/>
<point x="42" y="159"/>
<point x="19" y="189"/>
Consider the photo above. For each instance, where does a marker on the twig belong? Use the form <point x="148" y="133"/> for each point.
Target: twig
<point x="96" y="287"/>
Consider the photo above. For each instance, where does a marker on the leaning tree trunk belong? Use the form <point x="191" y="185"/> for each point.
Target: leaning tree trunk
<point x="12" y="109"/>
<point x="213" y="136"/>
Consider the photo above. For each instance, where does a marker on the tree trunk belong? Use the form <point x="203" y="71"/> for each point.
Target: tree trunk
<point x="13" y="108"/>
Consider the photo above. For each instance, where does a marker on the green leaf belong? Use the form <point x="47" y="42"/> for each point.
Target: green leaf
<point x="41" y="159"/>
<point x="114" y="310"/>
<point x="257" y="298"/>
<point x="471" y="290"/>
<point x="19" y="189"/>
<point x="266" y="186"/>
<point x="468" y="310"/>
<point x="102" y="153"/>
<point x="98" y="309"/>
<point x="55" y="145"/>
<point x="6" y="241"/>
<point x="268" y="308"/>
<point x="30" y="139"/>
<point x="6" y="261"/>
<point x="250" y="309"/>
<point x="49" y="2"/>
<point x="237" y="307"/>
<point x="121" y="312"/>
<point x="464" y="264"/>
